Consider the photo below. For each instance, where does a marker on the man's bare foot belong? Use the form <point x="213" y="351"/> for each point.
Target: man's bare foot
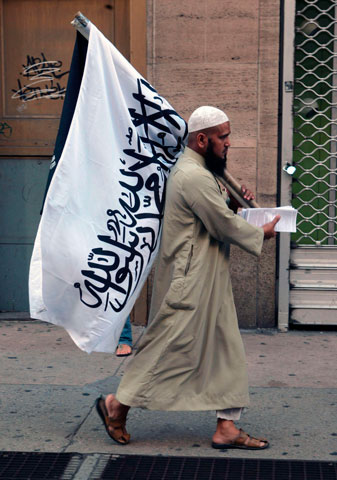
<point x="227" y="435"/>
<point x="115" y="409"/>
<point x="123" y="350"/>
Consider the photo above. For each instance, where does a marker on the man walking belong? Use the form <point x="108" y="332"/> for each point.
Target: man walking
<point x="191" y="356"/>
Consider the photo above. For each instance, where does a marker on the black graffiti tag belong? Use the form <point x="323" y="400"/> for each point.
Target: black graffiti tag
<point x="42" y="79"/>
<point x="5" y="129"/>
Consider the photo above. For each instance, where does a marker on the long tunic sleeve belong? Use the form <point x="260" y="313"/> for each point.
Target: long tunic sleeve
<point x="207" y="203"/>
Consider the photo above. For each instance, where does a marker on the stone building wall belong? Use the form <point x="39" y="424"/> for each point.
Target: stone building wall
<point x="225" y="53"/>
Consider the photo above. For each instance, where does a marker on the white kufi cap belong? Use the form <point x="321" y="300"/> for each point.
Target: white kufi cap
<point x="206" y="117"/>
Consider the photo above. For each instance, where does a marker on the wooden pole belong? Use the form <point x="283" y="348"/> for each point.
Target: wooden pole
<point x="235" y="189"/>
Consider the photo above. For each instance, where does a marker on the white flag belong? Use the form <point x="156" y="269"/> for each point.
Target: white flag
<point x="100" y="228"/>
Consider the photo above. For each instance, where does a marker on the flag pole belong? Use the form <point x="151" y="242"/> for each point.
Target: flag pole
<point x="82" y="24"/>
<point x="235" y="189"/>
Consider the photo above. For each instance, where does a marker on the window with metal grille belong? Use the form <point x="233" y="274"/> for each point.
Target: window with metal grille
<point x="315" y="127"/>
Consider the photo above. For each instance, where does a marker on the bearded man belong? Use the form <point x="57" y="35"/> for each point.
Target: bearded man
<point x="191" y="356"/>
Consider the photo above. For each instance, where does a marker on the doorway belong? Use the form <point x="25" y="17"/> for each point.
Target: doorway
<point x="37" y="42"/>
<point x="308" y="258"/>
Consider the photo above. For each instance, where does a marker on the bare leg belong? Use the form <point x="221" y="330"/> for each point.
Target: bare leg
<point x="116" y="410"/>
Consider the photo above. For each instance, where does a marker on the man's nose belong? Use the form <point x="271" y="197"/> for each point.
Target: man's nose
<point x="227" y="142"/>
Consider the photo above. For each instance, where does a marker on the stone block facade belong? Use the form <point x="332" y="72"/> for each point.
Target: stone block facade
<point x="226" y="54"/>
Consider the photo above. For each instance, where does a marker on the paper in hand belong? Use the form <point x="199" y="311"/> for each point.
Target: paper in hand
<point x="260" y="216"/>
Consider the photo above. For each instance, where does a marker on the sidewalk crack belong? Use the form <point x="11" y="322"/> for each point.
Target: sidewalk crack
<point x="72" y="435"/>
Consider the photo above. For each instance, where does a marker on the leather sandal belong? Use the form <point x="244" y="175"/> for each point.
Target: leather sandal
<point x="115" y="428"/>
<point x="244" y="442"/>
<point x="257" y="438"/>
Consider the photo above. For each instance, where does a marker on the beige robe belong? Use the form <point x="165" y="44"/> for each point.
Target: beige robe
<point x="191" y="356"/>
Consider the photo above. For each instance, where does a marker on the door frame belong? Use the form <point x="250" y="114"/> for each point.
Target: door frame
<point x="287" y="79"/>
<point x="133" y="34"/>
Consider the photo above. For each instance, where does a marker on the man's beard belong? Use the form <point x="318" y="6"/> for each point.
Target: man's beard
<point x="214" y="163"/>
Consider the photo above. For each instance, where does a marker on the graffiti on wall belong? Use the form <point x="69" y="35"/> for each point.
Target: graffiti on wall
<point x="40" y="78"/>
<point x="5" y="130"/>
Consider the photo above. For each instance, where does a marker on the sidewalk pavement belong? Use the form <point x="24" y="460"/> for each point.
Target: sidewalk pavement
<point x="48" y="389"/>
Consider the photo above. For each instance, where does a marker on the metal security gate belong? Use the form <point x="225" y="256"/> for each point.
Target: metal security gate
<point x="310" y="144"/>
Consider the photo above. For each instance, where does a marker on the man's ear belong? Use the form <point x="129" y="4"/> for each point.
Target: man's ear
<point x="202" y="141"/>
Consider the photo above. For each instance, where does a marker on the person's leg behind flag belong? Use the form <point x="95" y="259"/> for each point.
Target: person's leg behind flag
<point x="124" y="347"/>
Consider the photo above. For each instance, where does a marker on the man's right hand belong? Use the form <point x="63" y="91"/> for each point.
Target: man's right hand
<point x="269" y="228"/>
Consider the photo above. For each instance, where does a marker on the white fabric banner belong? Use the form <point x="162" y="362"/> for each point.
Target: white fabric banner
<point x="100" y="228"/>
